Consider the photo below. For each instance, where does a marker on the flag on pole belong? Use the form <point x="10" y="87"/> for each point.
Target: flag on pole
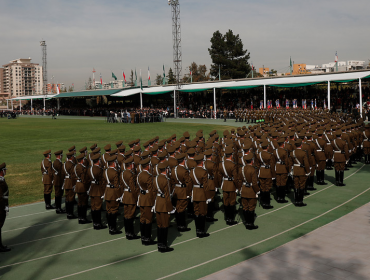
<point x="101" y="79"/>
<point x="164" y="76"/>
<point x="141" y="81"/>
<point x="315" y="105"/>
<point x="58" y="89"/>
<point x="191" y="76"/>
<point x="336" y="56"/>
<point x="114" y="76"/>
<point x="124" y="76"/>
<point x="290" y="65"/>
<point x="149" y="82"/>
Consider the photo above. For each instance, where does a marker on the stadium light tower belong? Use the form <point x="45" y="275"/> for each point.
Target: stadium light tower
<point x="44" y="65"/>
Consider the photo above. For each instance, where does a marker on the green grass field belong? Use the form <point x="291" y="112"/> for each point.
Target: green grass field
<point x="48" y="246"/>
<point x="24" y="140"/>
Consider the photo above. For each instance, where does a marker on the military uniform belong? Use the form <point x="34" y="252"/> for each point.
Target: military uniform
<point x="82" y="186"/>
<point x="366" y="143"/>
<point x="47" y="179"/>
<point x="341" y="155"/>
<point x="58" y="181"/>
<point x="4" y="204"/>
<point x="282" y="168"/>
<point x="69" y="184"/>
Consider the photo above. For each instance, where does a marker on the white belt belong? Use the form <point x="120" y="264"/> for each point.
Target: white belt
<point x="198" y="186"/>
<point x="127" y="190"/>
<point x="180" y="185"/>
<point x="298" y="165"/>
<point x="319" y="151"/>
<point x="110" y="186"/>
<point x="227" y="179"/>
<point x="67" y="177"/>
<point x="338" y="152"/>
<point x="95" y="182"/>
<point x="161" y="195"/>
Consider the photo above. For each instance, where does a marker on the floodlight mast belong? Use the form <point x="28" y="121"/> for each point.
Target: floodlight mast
<point x="176" y="35"/>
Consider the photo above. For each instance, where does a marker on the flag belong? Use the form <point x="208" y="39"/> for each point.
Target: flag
<point x="336" y="56"/>
<point x="149" y="82"/>
<point x="114" y="76"/>
<point x="290" y="65"/>
<point x="164" y="76"/>
<point x="124" y="76"/>
<point x="141" y="81"/>
<point x="58" y="89"/>
<point x="101" y="79"/>
<point x="315" y="105"/>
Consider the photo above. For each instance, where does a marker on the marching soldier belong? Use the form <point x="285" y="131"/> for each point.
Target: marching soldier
<point x="58" y="181"/>
<point x="366" y="143"/>
<point x="4" y="204"/>
<point x="249" y="190"/>
<point x="211" y="168"/>
<point x="82" y="185"/>
<point x="130" y="194"/>
<point x="301" y="170"/>
<point x="47" y="179"/>
<point x="146" y="201"/>
<point x="112" y="194"/>
<point x="163" y="206"/>
<point x="199" y="177"/>
<point x="282" y="169"/>
<point x="182" y="185"/>
<point x="320" y="157"/>
<point x="228" y="173"/>
<point x="341" y="156"/>
<point x="69" y="184"/>
<point x="96" y="191"/>
<point x="92" y="148"/>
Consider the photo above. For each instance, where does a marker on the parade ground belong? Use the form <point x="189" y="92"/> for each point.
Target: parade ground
<point x="48" y="246"/>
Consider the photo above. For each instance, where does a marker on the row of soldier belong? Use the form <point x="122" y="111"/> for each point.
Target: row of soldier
<point x="182" y="176"/>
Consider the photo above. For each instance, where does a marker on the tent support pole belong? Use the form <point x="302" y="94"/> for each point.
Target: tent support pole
<point x="214" y="101"/>
<point x="20" y="105"/>
<point x="360" y="93"/>
<point x="31" y="106"/>
<point x="44" y="105"/>
<point x="264" y="96"/>
<point x="329" y="96"/>
<point x="58" y="104"/>
<point x="141" y="100"/>
<point x="12" y="105"/>
<point x="174" y="104"/>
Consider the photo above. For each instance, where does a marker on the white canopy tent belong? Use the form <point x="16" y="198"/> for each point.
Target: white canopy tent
<point x="281" y="81"/>
<point x="31" y="97"/>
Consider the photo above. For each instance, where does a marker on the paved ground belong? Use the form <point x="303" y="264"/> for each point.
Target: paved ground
<point x="339" y="250"/>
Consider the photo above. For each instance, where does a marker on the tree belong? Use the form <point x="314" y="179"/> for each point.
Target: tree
<point x="132" y="78"/>
<point x="228" y="54"/>
<point x="199" y="73"/>
<point x="171" y="77"/>
<point x="158" y="79"/>
<point x="70" y="89"/>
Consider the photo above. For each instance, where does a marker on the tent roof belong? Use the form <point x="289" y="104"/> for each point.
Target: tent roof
<point x="29" y="97"/>
<point x="87" y="93"/>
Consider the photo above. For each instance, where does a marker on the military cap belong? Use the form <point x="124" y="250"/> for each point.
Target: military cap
<point x="180" y="157"/>
<point x="208" y="153"/>
<point x="46" y="152"/>
<point x="338" y="132"/>
<point x="280" y="141"/>
<point x="131" y="143"/>
<point x="264" y="144"/>
<point x="119" y="143"/>
<point x="154" y="149"/>
<point x="232" y="130"/>
<point x="162" y="165"/>
<point x="129" y="160"/>
<point x="57" y="153"/>
<point x="169" y="140"/>
<point x="146" y="144"/>
<point x="177" y="145"/>
<point x="3" y="166"/>
<point x="156" y="138"/>
<point x="247" y="145"/>
<point x="93" y="147"/>
<point x="309" y="135"/>
<point x="145" y="154"/>
<point x="128" y="153"/>
<point x="298" y="142"/>
<point x="70" y="154"/>
<point x="191" y="144"/>
<point x="171" y="149"/>
<point x="186" y="134"/>
<point x="160" y="145"/>
<point x="95" y="157"/>
<point x="229" y="150"/>
<point x="113" y="152"/>
<point x="248" y="157"/>
<point x="213" y="132"/>
<point x="275" y="134"/>
<point x="96" y="150"/>
<point x="229" y="142"/>
<point x="162" y="155"/>
<point x="241" y="133"/>
<point x="112" y="158"/>
<point x="191" y="151"/>
<point x="182" y="139"/>
<point x="82" y="150"/>
<point x="199" y="134"/>
<point x="196" y="139"/>
<point x="258" y="134"/>
<point x="226" y="132"/>
<point x="320" y="132"/>
<point x="173" y="136"/>
<point x="209" y="145"/>
<point x="199" y="157"/>
<point x="216" y="136"/>
<point x="137" y="141"/>
<point x="72" y="148"/>
<point x="137" y="149"/>
<point x="107" y="147"/>
<point x="144" y="162"/>
<point x="121" y="148"/>
<point x="80" y="157"/>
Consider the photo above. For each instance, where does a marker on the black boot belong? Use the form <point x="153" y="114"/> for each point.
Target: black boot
<point x="201" y="233"/>
<point x="82" y="213"/>
<point x="142" y="232"/>
<point x="305" y="192"/>
<point x="181" y="222"/>
<point x="3" y="248"/>
<point x="296" y="197"/>
<point x="70" y="214"/>
<point x="191" y="209"/>
<point x="250" y="218"/>
<point x="341" y="177"/>
<point x="129" y="229"/>
<point x="310" y="180"/>
<point x="58" y="205"/>
<point x="47" y="198"/>
<point x="280" y="193"/>
<point x="367" y="159"/>
<point x="301" y="203"/>
<point x="231" y="218"/>
<point x="96" y="215"/>
<point x="162" y="245"/>
<point x="210" y="208"/>
<point x="148" y="235"/>
<point x="266" y="200"/>
<point x="112" y="222"/>
<point x="322" y="172"/>
<point x="337" y="178"/>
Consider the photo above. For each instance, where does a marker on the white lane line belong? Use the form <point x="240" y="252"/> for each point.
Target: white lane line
<point x="259" y="242"/>
<point x="123" y="260"/>
<point x="35" y="240"/>
<point x="61" y="253"/>
<point x="56" y="254"/>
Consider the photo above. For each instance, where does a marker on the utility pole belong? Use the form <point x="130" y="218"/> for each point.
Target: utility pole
<point x="177" y="55"/>
<point x="44" y="70"/>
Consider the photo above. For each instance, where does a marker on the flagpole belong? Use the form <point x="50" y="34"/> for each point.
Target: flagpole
<point x="264" y="96"/>
<point x="141" y="100"/>
<point x="174" y="103"/>
<point x="214" y="101"/>
<point x="360" y="91"/>
<point x="329" y="95"/>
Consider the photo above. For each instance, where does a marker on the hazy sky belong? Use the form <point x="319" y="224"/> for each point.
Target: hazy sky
<point x="112" y="36"/>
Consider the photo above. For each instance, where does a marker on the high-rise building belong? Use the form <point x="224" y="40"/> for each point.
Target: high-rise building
<point x="21" y="77"/>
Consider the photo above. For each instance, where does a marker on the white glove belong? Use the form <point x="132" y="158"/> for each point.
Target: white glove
<point x="208" y="200"/>
<point x="173" y="211"/>
<point x="257" y="194"/>
<point x="153" y="209"/>
<point x="119" y="199"/>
